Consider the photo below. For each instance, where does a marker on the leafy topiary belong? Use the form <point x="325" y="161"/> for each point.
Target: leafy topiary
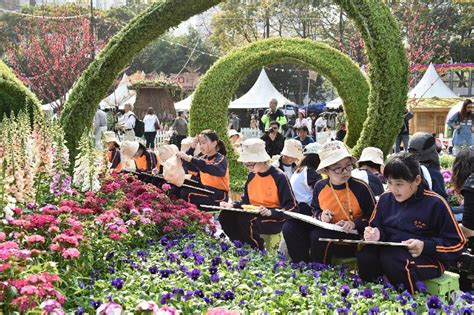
<point x="388" y="71"/>
<point x="14" y="95"/>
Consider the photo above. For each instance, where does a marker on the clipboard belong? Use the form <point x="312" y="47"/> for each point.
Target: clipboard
<point x="340" y="240"/>
<point x="231" y="209"/>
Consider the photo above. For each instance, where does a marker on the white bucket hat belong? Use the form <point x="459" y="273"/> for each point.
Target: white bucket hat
<point x="232" y="132"/>
<point x="312" y="148"/>
<point x="129" y="149"/>
<point x="109" y="136"/>
<point x="372" y="154"/>
<point x="253" y="151"/>
<point x="293" y="148"/>
<point x="333" y="152"/>
<point x="166" y="151"/>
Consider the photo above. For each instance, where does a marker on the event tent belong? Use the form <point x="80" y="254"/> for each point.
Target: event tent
<point x="120" y="96"/>
<point x="334" y="104"/>
<point x="431" y="86"/>
<point x="260" y="95"/>
<point x="184" y="104"/>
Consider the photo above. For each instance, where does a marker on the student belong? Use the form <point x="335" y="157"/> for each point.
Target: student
<point x="340" y="199"/>
<point x="267" y="187"/>
<point x="305" y="178"/>
<point x="463" y="180"/>
<point x="423" y="146"/>
<point x="370" y="166"/>
<point x="113" y="150"/>
<point x="292" y="152"/>
<point x="213" y="170"/>
<point x="414" y="216"/>
<point x="144" y="160"/>
<point x="303" y="136"/>
<point x="235" y="139"/>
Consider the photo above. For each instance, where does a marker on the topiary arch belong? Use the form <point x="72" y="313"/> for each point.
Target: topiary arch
<point x="14" y="95"/>
<point x="388" y="69"/>
<point x="215" y="91"/>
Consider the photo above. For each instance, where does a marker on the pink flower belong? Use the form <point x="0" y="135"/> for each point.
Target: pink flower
<point x="54" y="247"/>
<point x="110" y="308"/>
<point x="166" y="187"/>
<point x="29" y="290"/>
<point x="2" y="237"/>
<point x="167" y="310"/>
<point x="53" y="228"/>
<point x="35" y="239"/>
<point x="114" y="236"/>
<point x="149" y="306"/>
<point x="71" y="253"/>
<point x="52" y="307"/>
<point x="222" y="311"/>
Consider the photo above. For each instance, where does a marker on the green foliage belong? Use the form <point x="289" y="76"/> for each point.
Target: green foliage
<point x="211" y="98"/>
<point x="14" y="95"/>
<point x="92" y="86"/>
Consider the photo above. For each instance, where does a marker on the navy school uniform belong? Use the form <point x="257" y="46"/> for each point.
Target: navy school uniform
<point x="272" y="190"/>
<point x="426" y="216"/>
<point x="213" y="176"/>
<point x="302" y="239"/>
<point x="468" y="210"/>
<point x="437" y="181"/>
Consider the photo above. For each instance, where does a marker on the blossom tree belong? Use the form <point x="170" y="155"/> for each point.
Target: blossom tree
<point x="52" y="54"/>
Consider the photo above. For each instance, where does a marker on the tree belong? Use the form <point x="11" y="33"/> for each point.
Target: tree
<point x="52" y="54"/>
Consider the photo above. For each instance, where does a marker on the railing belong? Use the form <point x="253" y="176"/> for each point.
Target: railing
<point x="248" y="133"/>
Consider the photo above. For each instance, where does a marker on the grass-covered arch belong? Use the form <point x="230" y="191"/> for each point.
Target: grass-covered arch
<point x="215" y="91"/>
<point x="388" y="70"/>
<point x="14" y="95"/>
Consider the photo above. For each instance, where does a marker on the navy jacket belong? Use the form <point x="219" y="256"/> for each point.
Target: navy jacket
<point x="437" y="181"/>
<point x="425" y="216"/>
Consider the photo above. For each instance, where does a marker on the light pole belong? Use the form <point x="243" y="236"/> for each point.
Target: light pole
<point x="91" y="31"/>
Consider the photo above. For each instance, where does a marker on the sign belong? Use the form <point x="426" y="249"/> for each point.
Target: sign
<point x="188" y="80"/>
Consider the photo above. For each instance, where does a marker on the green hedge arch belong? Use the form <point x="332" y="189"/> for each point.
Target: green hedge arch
<point x="388" y="70"/>
<point x="14" y="95"/>
<point x="215" y="91"/>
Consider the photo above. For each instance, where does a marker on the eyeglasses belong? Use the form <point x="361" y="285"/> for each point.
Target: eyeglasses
<point x="250" y="165"/>
<point x="340" y="170"/>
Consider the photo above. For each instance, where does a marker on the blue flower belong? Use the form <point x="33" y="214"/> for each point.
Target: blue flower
<point x="153" y="270"/>
<point x="237" y="243"/>
<point x="215" y="277"/>
<point x="198" y="259"/>
<point x="414" y="305"/>
<point x="258" y="274"/>
<point x="356" y="281"/>
<point x="224" y="246"/>
<point x="187" y="253"/>
<point x="165" y="273"/>
<point x="199" y="293"/>
<point x="242" y="264"/>
<point x="367" y="293"/>
<point x="111" y="269"/>
<point x="194" y="274"/>
<point x="212" y="270"/>
<point x="344" y="290"/>
<point x="242" y="252"/>
<point x="165" y="298"/>
<point x="407" y="295"/>
<point x="142" y="254"/>
<point x="421" y="286"/>
<point x="468" y="297"/>
<point x="164" y="241"/>
<point x="410" y="312"/>
<point x="385" y="294"/>
<point x="178" y="291"/>
<point x="323" y="289"/>
<point x="374" y="310"/>
<point x="109" y="256"/>
<point x="303" y="290"/>
<point x="79" y="311"/>
<point x="95" y="304"/>
<point x="216" y="295"/>
<point x="216" y="261"/>
<point x="402" y="300"/>
<point x="342" y="310"/>
<point x="258" y="284"/>
<point x="466" y="311"/>
<point x="316" y="274"/>
<point x="208" y="300"/>
<point x="433" y="302"/>
<point x="188" y="296"/>
<point x="278" y="292"/>
<point x="228" y="295"/>
<point x="118" y="283"/>
<point x="330" y="306"/>
<point x="242" y="303"/>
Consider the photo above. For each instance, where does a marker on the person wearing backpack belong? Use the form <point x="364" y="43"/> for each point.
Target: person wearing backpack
<point x="127" y="123"/>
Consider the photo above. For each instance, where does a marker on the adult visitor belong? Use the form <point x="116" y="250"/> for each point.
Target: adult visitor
<point x="126" y="123"/>
<point x="152" y="124"/>
<point x="180" y="127"/>
<point x="404" y="135"/>
<point x="274" y="114"/>
<point x="234" y="122"/>
<point x="461" y="123"/>
<point x="274" y="140"/>
<point x="100" y="126"/>
<point x="302" y="121"/>
<point x="321" y="123"/>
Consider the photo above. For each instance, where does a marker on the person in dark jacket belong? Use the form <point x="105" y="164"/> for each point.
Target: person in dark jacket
<point x="404" y="134"/>
<point x="274" y="140"/>
<point x="370" y="165"/>
<point x="303" y="137"/>
<point x="414" y="216"/>
<point x="463" y="179"/>
<point x="423" y="146"/>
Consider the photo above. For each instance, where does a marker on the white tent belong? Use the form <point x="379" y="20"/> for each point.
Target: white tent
<point x="184" y="104"/>
<point x="335" y="103"/>
<point x="430" y="86"/>
<point x="260" y="95"/>
<point x="120" y="96"/>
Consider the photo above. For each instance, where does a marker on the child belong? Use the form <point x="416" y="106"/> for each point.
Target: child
<point x="340" y="199"/>
<point x="463" y="180"/>
<point x="423" y="146"/>
<point x="414" y="216"/>
<point x="292" y="152"/>
<point x="370" y="166"/>
<point x="303" y="137"/>
<point x="213" y="170"/>
<point x="144" y="160"/>
<point x="267" y="187"/>
<point x="305" y="178"/>
<point x="235" y="139"/>
<point x="113" y="150"/>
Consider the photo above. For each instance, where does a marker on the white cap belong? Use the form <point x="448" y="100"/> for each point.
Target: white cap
<point x="253" y="151"/>
<point x="372" y="154"/>
<point x="333" y="152"/>
<point x="312" y="148"/>
<point x="293" y="148"/>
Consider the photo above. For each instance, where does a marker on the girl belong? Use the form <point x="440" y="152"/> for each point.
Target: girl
<point x="463" y="180"/>
<point x="340" y="199"/>
<point x="113" y="150"/>
<point x="266" y="187"/>
<point x="416" y="217"/>
<point x="302" y="121"/>
<point x="370" y="166"/>
<point x="305" y="178"/>
<point x="152" y="124"/>
<point x="144" y="160"/>
<point x="292" y="152"/>
<point x="213" y="170"/>
<point x="461" y="122"/>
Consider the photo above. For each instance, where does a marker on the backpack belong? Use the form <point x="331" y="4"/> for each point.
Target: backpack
<point x="139" y="127"/>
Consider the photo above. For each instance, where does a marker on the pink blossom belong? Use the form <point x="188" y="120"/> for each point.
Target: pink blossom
<point x="54" y="247"/>
<point x="167" y="310"/>
<point x="149" y="306"/>
<point x="71" y="253"/>
<point x="114" y="236"/>
<point x="110" y="308"/>
<point x="4" y="267"/>
<point x="29" y="290"/>
<point x="52" y="307"/>
<point x="222" y="311"/>
<point x="2" y="237"/>
<point x="35" y="239"/>
<point x="166" y="187"/>
<point x="53" y="229"/>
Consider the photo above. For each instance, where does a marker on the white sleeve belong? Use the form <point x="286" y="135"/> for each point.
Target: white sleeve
<point x="427" y="176"/>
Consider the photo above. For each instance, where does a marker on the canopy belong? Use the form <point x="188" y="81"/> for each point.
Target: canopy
<point x="184" y="104"/>
<point x="335" y="103"/>
<point x="260" y="95"/>
<point x="120" y="96"/>
<point x="431" y="86"/>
